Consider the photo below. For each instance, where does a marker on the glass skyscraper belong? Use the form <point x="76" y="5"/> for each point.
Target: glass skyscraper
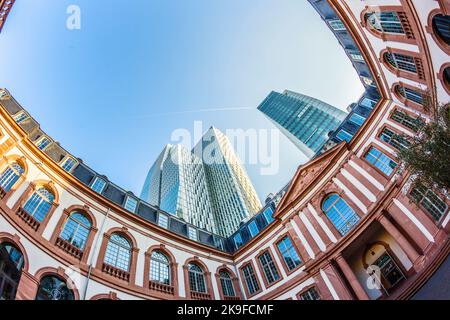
<point x="207" y="186"/>
<point x="233" y="197"/>
<point x="176" y="183"/>
<point x="304" y="120"/>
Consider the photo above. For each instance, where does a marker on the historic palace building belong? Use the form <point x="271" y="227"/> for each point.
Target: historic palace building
<point x="349" y="225"/>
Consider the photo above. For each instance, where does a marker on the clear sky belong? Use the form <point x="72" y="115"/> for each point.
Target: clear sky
<point x="114" y="91"/>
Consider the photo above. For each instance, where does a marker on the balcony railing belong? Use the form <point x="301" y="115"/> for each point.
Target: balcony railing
<point x="25" y="216"/>
<point x="231" y="298"/>
<point x="116" y="272"/>
<point x="161" y="287"/>
<point x="200" y="295"/>
<point x="69" y="248"/>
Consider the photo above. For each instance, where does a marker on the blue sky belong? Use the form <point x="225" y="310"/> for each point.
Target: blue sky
<point x="113" y="92"/>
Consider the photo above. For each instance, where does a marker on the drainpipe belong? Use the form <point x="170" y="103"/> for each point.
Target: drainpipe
<point x="94" y="253"/>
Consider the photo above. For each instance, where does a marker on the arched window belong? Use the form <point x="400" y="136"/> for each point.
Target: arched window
<point x="340" y="214"/>
<point x="401" y="61"/>
<point x="411" y="94"/>
<point x="11" y="264"/>
<point x="118" y="252"/>
<point x="54" y="288"/>
<point x="76" y="230"/>
<point x="39" y="204"/>
<point x="10" y="176"/>
<point x="385" y="22"/>
<point x="196" y="278"/>
<point x="159" y="268"/>
<point x="227" y="284"/>
<point x="441" y="27"/>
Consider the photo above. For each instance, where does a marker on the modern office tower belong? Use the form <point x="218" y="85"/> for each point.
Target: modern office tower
<point x="176" y="183"/>
<point x="233" y="197"/>
<point x="304" y="120"/>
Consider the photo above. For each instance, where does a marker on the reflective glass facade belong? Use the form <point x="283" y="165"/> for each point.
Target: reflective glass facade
<point x="304" y="120"/>
<point x="177" y="184"/>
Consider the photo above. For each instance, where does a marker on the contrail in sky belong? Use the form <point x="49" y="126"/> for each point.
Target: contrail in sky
<point x="193" y="111"/>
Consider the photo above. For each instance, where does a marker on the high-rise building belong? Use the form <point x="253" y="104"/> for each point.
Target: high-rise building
<point x="207" y="186"/>
<point x="176" y="184"/>
<point x="233" y="197"/>
<point x="304" y="120"/>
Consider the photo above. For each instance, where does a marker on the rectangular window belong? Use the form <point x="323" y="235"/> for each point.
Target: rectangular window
<point x="381" y="161"/>
<point x="68" y="164"/>
<point x="403" y="118"/>
<point x="386" y="21"/>
<point x="344" y="135"/>
<point x="268" y="214"/>
<point x="269" y="268"/>
<point x="163" y="221"/>
<point x="131" y="204"/>
<point x="404" y="62"/>
<point x="192" y="233"/>
<point x="395" y="140"/>
<point x="368" y="103"/>
<point x="98" y="185"/>
<point x="43" y="143"/>
<point x="253" y="228"/>
<point x="250" y="279"/>
<point x="430" y="201"/>
<point x="21" y="117"/>
<point x="356" y="55"/>
<point x="238" y="240"/>
<point x="289" y="254"/>
<point x="413" y="95"/>
<point x="357" y="119"/>
<point x="336" y="25"/>
<point x="310" y="294"/>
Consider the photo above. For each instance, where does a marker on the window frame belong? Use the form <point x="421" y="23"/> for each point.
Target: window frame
<point x="41" y="140"/>
<point x="66" y="160"/>
<point x="420" y="205"/>
<point x="135" y="205"/>
<point x="103" y="186"/>
<point x="341" y="215"/>
<point x="267" y="283"/>
<point x="357" y="115"/>
<point x="253" y="223"/>
<point x="373" y="166"/>
<point x="281" y="257"/>
<point x="244" y="282"/>
<point x="166" y="218"/>
<point x="344" y="132"/>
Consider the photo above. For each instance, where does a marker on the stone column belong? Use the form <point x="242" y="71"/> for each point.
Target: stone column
<point x="412" y="253"/>
<point x="351" y="278"/>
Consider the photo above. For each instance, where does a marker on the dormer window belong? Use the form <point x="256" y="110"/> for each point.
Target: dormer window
<point x="356" y="55"/>
<point x="253" y="228"/>
<point x="68" y="164"/>
<point x="43" y="143"/>
<point x="337" y="25"/>
<point x="21" y="117"/>
<point x="368" y="103"/>
<point x="163" y="221"/>
<point x="238" y="240"/>
<point x="192" y="233"/>
<point x="131" y="204"/>
<point x="98" y="185"/>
